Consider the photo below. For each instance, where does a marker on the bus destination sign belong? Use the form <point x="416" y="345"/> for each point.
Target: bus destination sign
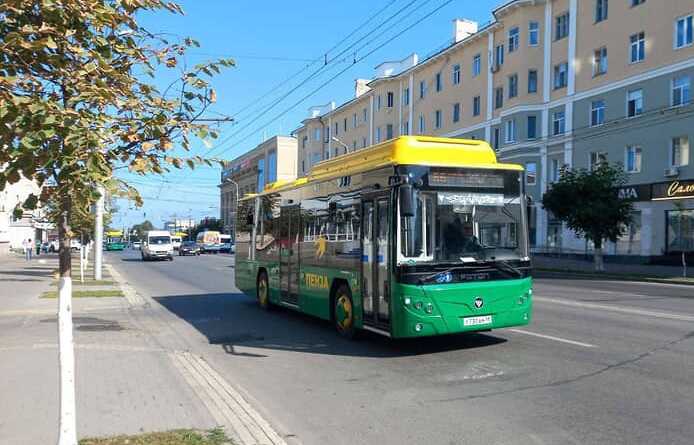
<point x="466" y="179"/>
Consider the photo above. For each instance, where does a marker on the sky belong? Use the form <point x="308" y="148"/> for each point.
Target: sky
<point x="277" y="45"/>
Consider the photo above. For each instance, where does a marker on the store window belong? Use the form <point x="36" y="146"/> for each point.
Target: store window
<point x="630" y="241"/>
<point x="680" y="230"/>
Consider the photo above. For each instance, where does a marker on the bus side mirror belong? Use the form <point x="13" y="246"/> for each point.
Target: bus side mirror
<point x="407" y="206"/>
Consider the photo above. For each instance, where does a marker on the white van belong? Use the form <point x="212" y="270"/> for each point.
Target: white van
<point x="157" y="244"/>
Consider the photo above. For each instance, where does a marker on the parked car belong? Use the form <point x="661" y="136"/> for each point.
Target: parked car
<point x="137" y="244"/>
<point x="75" y="245"/>
<point x="188" y="248"/>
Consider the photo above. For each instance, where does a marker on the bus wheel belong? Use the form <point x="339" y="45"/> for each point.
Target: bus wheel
<point x="344" y="312"/>
<point x="263" y="291"/>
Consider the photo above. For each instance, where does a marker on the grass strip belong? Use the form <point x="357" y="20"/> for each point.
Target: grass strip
<point x="175" y="437"/>
<point x="85" y="294"/>
<point x="89" y="282"/>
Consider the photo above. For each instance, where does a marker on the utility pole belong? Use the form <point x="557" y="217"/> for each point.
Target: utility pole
<point x="99" y="233"/>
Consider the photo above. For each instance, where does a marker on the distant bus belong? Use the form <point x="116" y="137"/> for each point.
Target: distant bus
<point x="114" y="240"/>
<point x="208" y="241"/>
<point x="412" y="237"/>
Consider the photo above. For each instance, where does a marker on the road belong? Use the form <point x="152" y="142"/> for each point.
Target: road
<point x="602" y="362"/>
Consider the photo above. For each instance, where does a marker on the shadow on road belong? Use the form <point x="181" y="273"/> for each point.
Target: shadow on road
<point x="235" y="320"/>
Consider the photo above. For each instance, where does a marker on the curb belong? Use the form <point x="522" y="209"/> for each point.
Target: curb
<point x="134" y="299"/>
<point x="607" y="276"/>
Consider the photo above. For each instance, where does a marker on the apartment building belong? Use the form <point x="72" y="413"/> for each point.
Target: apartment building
<point x="550" y="84"/>
<point x="272" y="160"/>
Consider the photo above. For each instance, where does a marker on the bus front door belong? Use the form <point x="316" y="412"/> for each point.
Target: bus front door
<point x="375" y="262"/>
<point x="289" y="254"/>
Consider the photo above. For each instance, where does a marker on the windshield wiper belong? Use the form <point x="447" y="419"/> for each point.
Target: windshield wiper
<point x="506" y="266"/>
<point x="440" y="272"/>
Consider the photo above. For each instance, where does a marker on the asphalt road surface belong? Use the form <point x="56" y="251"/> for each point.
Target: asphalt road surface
<point x="602" y="363"/>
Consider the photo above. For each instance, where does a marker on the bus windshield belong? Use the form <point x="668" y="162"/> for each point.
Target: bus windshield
<point x="464" y="226"/>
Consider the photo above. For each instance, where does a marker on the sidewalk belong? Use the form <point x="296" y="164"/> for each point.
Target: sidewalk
<point x="126" y="382"/>
<point x="550" y="265"/>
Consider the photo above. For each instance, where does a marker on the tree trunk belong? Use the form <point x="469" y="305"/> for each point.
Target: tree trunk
<point x="67" y="428"/>
<point x="598" y="257"/>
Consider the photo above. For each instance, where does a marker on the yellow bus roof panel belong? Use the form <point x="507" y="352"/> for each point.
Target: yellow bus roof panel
<point x="413" y="150"/>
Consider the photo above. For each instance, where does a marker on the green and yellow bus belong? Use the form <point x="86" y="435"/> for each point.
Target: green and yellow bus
<point x="416" y="236"/>
<point x="113" y="240"/>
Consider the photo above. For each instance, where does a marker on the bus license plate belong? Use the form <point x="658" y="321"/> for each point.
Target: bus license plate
<point x="476" y="321"/>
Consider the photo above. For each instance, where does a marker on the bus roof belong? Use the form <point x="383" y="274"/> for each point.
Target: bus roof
<point x="404" y="150"/>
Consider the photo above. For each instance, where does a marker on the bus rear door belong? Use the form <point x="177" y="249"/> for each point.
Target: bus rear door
<point x="290" y="225"/>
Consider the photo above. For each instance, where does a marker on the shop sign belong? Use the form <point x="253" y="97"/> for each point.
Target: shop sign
<point x="635" y="192"/>
<point x="673" y="190"/>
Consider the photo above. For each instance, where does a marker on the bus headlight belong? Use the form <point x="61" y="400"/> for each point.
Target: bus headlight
<point x="407" y="301"/>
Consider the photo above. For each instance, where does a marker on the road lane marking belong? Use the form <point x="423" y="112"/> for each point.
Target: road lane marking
<point x="621" y="309"/>
<point x="551" y="337"/>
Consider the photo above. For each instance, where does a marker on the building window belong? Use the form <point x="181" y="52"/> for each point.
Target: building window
<point x="422" y="89"/>
<point x="336" y="128"/>
<point x="456" y="112"/>
<point x="438" y="83"/>
<point x="363" y="142"/>
<point x="561" y="75"/>
<point x="532" y="81"/>
<point x="561" y="26"/>
<point x="511" y="131"/>
<point x="406" y="96"/>
<point x="304" y="141"/>
<point x="600" y="10"/>
<point x="378" y="134"/>
<point x="637" y="47"/>
<point x="512" y="86"/>
<point x="390" y="98"/>
<point x="378" y="103"/>
<point x="554" y="170"/>
<point x="316" y="135"/>
<point x="389" y="131"/>
<point x="532" y="127"/>
<point x="679" y="151"/>
<point x="327" y="134"/>
<point x="680" y="232"/>
<point x="597" y="158"/>
<point x="684" y="34"/>
<point x="558" y="123"/>
<point x="422" y="124"/>
<point x="499" y="55"/>
<point x="476" y="65"/>
<point x="513" y="39"/>
<point x="496" y="138"/>
<point x="456" y="74"/>
<point x="354" y="120"/>
<point x="366" y="114"/>
<point x="533" y="33"/>
<point x="530" y="173"/>
<point x="499" y="97"/>
<point x="633" y="159"/>
<point x="405" y="128"/>
<point x="681" y="87"/>
<point x="600" y="61"/>
<point x="344" y="124"/>
<point x="637" y="2"/>
<point x="634" y="103"/>
<point x="597" y="113"/>
<point x="476" y="106"/>
<point x="437" y="119"/>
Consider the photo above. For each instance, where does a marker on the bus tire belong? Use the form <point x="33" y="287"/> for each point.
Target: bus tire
<point x="263" y="291"/>
<point x="343" y="311"/>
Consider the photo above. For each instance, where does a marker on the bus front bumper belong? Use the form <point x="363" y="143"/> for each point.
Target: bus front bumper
<point x="460" y="307"/>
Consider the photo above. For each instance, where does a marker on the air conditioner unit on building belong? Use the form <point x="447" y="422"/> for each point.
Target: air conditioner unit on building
<point x="672" y="171"/>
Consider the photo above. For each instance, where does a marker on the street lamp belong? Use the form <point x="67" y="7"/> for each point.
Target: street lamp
<point x="335" y="139"/>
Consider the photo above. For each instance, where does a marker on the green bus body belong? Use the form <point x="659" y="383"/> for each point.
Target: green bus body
<point x="278" y="236"/>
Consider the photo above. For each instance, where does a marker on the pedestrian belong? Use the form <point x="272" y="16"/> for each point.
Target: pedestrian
<point x="28" y="247"/>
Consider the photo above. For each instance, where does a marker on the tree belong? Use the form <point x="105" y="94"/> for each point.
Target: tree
<point x="140" y="229"/>
<point x="590" y="205"/>
<point x="76" y="103"/>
